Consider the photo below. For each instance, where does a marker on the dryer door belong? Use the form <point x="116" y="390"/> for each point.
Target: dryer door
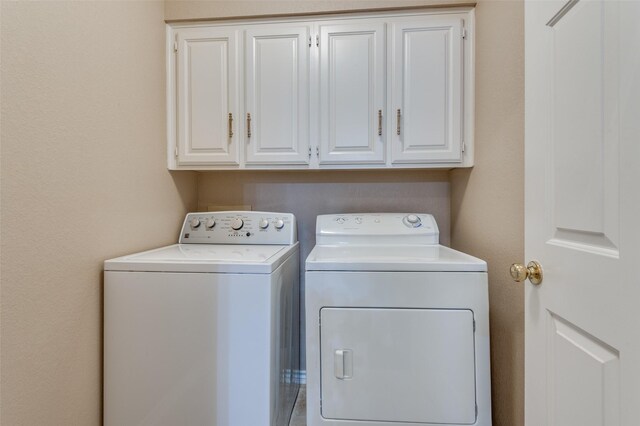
<point x="400" y="365"/>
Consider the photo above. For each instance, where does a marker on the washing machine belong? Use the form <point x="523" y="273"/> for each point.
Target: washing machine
<point x="205" y="332"/>
<point x="397" y="325"/>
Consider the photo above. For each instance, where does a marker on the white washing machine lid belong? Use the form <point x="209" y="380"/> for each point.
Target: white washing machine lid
<point x="222" y="258"/>
<point x="427" y="258"/>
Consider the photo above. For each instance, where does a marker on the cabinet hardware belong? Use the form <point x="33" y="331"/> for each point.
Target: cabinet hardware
<point x="175" y="46"/>
<point x="464" y="33"/>
<point x="309" y="41"/>
<point x="230" y="125"/>
<point x="398" y="115"/>
<point x="248" y="125"/>
<point x="317" y="41"/>
<point x="379" y="122"/>
<point x="317" y="151"/>
<point x="175" y="151"/>
<point x="309" y="152"/>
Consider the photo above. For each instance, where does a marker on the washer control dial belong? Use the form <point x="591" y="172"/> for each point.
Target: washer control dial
<point x="195" y="223"/>
<point x="211" y="223"/>
<point x="263" y="224"/>
<point x="237" y="224"/>
<point x="413" y="220"/>
<point x="279" y="224"/>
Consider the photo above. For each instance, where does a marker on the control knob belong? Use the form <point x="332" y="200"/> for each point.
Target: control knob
<point x="279" y="224"/>
<point x="195" y="223"/>
<point x="237" y="223"/>
<point x="263" y="224"/>
<point x="211" y="223"/>
<point x="413" y="220"/>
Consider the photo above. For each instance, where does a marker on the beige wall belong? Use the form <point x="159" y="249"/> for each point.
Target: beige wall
<point x="486" y="202"/>
<point x="308" y="194"/>
<point x="83" y="179"/>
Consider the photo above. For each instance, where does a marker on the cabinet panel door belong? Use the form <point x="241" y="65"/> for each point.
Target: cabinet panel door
<point x="277" y="94"/>
<point x="207" y="94"/>
<point x="352" y="88"/>
<point x="427" y="90"/>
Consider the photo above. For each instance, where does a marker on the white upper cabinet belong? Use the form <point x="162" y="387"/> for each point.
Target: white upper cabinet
<point x="207" y="96"/>
<point x="341" y="91"/>
<point x="352" y="88"/>
<point x="426" y="81"/>
<point x="277" y="94"/>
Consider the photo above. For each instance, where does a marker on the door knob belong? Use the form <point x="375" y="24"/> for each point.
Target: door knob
<point x="533" y="271"/>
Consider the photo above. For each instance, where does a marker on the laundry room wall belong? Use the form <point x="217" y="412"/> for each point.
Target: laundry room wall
<point x="487" y="202"/>
<point x="479" y="210"/>
<point x="83" y="179"/>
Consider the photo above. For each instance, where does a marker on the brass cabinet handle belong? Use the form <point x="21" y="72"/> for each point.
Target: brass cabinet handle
<point x="379" y="122"/>
<point x="248" y="125"/>
<point x="533" y="271"/>
<point x="230" y="125"/>
<point x="398" y="114"/>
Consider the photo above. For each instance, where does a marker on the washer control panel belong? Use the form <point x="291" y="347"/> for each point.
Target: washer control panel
<point x="239" y="227"/>
<point x="377" y="228"/>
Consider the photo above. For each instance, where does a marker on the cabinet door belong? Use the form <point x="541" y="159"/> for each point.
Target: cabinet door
<point x="277" y="94"/>
<point x="207" y="96"/>
<point x="352" y="86"/>
<point x="426" y="83"/>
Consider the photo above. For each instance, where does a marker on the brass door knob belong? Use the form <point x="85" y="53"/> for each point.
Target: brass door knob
<point x="533" y="271"/>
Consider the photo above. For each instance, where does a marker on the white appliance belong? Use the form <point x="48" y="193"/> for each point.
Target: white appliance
<point x="205" y="332"/>
<point x="397" y="326"/>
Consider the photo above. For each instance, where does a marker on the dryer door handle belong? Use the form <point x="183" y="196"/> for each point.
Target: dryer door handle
<point x="343" y="364"/>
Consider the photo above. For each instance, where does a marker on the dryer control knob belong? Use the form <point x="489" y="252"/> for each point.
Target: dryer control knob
<point x="211" y="223"/>
<point x="195" y="223"/>
<point x="237" y="223"/>
<point x="264" y="224"/>
<point x="279" y="224"/>
<point x="412" y="220"/>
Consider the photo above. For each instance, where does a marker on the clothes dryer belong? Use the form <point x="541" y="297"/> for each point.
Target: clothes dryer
<point x="397" y="325"/>
<point x="205" y="332"/>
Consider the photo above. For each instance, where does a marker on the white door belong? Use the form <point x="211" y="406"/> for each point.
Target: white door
<point x="277" y="94"/>
<point x="426" y="81"/>
<point x="582" y="211"/>
<point x="352" y="87"/>
<point x="207" y="96"/>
